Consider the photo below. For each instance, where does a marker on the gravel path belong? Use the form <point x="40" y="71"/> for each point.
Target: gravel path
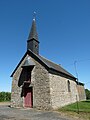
<point x="7" y="113"/>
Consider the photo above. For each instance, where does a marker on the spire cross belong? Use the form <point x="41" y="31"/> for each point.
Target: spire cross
<point x="34" y="15"/>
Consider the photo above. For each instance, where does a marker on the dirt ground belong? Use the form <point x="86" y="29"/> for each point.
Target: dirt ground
<point x="5" y="103"/>
<point x="8" y="113"/>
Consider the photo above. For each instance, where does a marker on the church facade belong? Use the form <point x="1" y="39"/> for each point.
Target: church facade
<point x="39" y="83"/>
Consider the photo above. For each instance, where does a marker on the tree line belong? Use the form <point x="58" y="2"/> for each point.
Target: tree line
<point x="5" y="96"/>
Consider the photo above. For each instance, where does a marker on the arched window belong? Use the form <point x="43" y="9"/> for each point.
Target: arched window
<point x="68" y="82"/>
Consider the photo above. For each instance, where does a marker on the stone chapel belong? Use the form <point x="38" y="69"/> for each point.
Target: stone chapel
<point x="39" y="83"/>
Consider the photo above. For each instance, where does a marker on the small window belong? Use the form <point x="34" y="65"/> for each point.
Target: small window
<point x="68" y="82"/>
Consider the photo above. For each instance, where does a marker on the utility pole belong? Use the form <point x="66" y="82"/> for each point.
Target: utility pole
<point x="75" y="62"/>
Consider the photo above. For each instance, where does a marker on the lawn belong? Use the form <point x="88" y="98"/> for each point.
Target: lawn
<point x="80" y="110"/>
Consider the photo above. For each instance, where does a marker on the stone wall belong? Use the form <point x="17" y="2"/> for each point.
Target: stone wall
<point x="39" y="83"/>
<point x="49" y="90"/>
<point x="41" y="87"/>
<point x="60" y="95"/>
<point x="16" y="91"/>
<point x="81" y="91"/>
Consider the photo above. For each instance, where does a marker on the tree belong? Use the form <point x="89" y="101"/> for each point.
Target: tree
<point x="87" y="94"/>
<point x="5" y="96"/>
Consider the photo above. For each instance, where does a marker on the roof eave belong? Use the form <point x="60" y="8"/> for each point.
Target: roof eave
<point x="42" y="62"/>
<point x="61" y="73"/>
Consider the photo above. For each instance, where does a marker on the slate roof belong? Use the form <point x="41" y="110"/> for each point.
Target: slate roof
<point x="55" y="66"/>
<point x="51" y="65"/>
<point x="33" y="33"/>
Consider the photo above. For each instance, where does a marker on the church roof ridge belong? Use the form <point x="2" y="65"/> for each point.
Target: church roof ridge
<point x="50" y="60"/>
<point x="52" y="65"/>
<point x="55" y="66"/>
<point x="48" y="63"/>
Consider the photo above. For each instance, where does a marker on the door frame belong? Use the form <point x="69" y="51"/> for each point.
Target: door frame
<point x="25" y="93"/>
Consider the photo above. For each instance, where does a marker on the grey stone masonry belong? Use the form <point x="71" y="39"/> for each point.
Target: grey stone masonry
<point x="16" y="97"/>
<point x="60" y="95"/>
<point x="81" y="91"/>
<point x="39" y="83"/>
<point x="50" y="91"/>
<point x="41" y="87"/>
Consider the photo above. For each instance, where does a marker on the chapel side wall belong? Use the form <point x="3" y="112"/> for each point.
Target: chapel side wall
<point x="81" y="91"/>
<point x="59" y="91"/>
<point x="16" y="91"/>
<point x="41" y="87"/>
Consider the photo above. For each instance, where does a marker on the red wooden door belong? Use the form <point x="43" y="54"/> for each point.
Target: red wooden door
<point x="28" y="100"/>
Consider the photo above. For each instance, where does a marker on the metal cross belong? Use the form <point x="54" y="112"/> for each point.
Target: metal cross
<point x="34" y="15"/>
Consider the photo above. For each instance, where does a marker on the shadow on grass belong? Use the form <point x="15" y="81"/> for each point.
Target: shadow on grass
<point x="87" y="101"/>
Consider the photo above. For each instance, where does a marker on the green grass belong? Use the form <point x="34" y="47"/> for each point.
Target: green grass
<point x="84" y="110"/>
<point x="83" y="106"/>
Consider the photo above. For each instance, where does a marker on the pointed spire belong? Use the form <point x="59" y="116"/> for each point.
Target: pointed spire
<point x="32" y="42"/>
<point x="33" y="33"/>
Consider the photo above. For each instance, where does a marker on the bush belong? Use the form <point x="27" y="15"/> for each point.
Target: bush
<point x="5" y="96"/>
